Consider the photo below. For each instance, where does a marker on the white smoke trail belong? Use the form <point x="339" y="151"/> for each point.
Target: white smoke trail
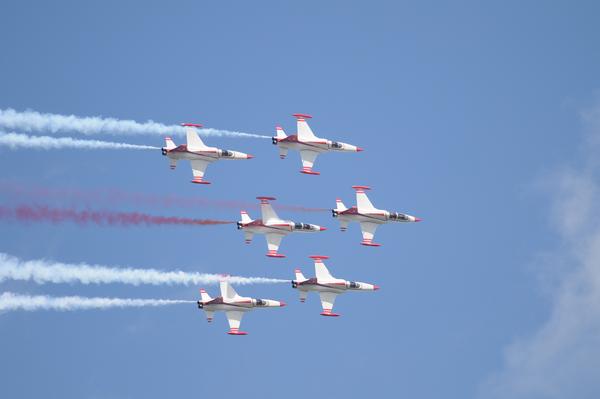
<point x="41" y="272"/>
<point x="32" y="121"/>
<point x="10" y="302"/>
<point x="15" y="141"/>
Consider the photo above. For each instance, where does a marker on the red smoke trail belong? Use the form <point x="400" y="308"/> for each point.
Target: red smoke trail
<point x="115" y="197"/>
<point x="26" y="213"/>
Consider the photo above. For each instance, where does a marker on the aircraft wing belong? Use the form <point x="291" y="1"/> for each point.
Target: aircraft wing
<point x="368" y="231"/>
<point x="321" y="271"/>
<point x="235" y="318"/>
<point x="273" y="241"/>
<point x="198" y="169"/>
<point x="305" y="133"/>
<point x="194" y="142"/>
<point x="327" y="300"/>
<point x="227" y="291"/>
<point x="266" y="209"/>
<point x="308" y="160"/>
<point x="363" y="203"/>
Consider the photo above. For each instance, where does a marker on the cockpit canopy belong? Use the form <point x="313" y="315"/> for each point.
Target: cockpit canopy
<point x="225" y="153"/>
<point x="353" y="284"/>
<point x="398" y="216"/>
<point x="261" y="302"/>
<point x="302" y="226"/>
<point x="335" y="144"/>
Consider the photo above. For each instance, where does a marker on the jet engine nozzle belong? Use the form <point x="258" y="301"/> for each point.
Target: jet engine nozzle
<point x="240" y="225"/>
<point x="275" y="141"/>
<point x="163" y="151"/>
<point x="200" y="305"/>
<point x="334" y="213"/>
<point x="294" y="284"/>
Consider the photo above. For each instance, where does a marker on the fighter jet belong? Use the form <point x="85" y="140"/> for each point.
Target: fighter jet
<point x="199" y="154"/>
<point x="272" y="227"/>
<point x="367" y="215"/>
<point x="233" y="305"/>
<point x="308" y="144"/>
<point x="326" y="285"/>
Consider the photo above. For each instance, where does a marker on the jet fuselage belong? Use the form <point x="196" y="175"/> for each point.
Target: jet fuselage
<point x="240" y="304"/>
<point x="318" y="145"/>
<point x="181" y="152"/>
<point x="278" y="227"/>
<point x="337" y="286"/>
<point x="378" y="216"/>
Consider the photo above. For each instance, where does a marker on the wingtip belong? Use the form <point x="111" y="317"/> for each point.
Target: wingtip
<point x="370" y="244"/>
<point x="199" y="181"/>
<point x="308" y="171"/>
<point x="191" y="124"/>
<point x="237" y="332"/>
<point x="298" y="116"/>
<point x="275" y="255"/>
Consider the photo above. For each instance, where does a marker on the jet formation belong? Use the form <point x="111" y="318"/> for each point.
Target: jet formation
<point x="274" y="228"/>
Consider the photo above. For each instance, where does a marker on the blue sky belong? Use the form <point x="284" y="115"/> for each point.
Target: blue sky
<point x="475" y="117"/>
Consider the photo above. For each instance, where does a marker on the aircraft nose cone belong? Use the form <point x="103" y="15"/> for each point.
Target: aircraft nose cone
<point x="248" y="156"/>
<point x="359" y="149"/>
<point x="418" y="219"/>
<point x="375" y="287"/>
<point x="282" y="304"/>
<point x="321" y="228"/>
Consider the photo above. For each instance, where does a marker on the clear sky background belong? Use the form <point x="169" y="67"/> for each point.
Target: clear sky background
<point x="481" y="119"/>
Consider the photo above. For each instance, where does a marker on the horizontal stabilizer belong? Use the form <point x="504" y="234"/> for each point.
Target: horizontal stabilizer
<point x="245" y="217"/>
<point x="204" y="295"/>
<point x="169" y="144"/>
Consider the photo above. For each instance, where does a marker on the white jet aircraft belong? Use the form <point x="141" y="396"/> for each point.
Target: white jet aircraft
<point x="367" y="215"/>
<point x="198" y="153"/>
<point x="272" y="227"/>
<point x="326" y="285"/>
<point x="233" y="305"/>
<point x="308" y="144"/>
